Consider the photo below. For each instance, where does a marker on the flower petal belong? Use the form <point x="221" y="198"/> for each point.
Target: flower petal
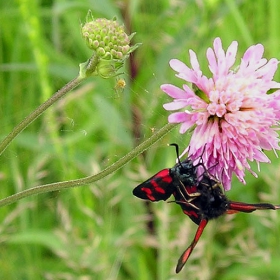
<point x="174" y="91"/>
<point x="175" y="105"/>
<point x="234" y="118"/>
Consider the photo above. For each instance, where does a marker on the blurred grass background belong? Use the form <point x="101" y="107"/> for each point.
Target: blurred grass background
<point x="101" y="231"/>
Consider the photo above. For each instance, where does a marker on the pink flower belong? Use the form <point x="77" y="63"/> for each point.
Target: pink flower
<point x="233" y="117"/>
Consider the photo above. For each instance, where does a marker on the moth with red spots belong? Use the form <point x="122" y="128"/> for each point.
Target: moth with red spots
<point x="167" y="181"/>
<point x="200" y="197"/>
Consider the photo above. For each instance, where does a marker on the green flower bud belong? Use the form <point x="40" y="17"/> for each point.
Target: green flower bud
<point x="111" y="46"/>
<point x="107" y="38"/>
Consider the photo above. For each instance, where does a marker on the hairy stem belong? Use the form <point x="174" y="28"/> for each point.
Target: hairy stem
<point x="35" y="114"/>
<point x="90" y="179"/>
<point x="86" y="69"/>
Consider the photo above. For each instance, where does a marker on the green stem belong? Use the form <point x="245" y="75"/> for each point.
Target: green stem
<point x="90" y="179"/>
<point x="35" y="114"/>
<point x="86" y="69"/>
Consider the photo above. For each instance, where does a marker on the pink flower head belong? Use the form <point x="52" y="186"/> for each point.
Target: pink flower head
<point x="233" y="117"/>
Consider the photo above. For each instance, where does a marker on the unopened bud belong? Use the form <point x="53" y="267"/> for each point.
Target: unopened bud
<point x="107" y="38"/>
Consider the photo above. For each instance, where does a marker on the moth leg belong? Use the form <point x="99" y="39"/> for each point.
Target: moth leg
<point x="186" y="200"/>
<point x="182" y="189"/>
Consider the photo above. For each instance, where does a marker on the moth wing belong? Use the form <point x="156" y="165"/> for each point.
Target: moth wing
<point x="158" y="187"/>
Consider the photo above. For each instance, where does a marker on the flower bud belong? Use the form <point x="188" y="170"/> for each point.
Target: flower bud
<point x="107" y="38"/>
<point x="110" y="45"/>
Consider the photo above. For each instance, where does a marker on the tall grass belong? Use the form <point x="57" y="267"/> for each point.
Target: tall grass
<point x="101" y="231"/>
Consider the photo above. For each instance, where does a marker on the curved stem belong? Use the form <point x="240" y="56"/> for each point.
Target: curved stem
<point x="86" y="69"/>
<point x="90" y="179"/>
<point x="35" y="114"/>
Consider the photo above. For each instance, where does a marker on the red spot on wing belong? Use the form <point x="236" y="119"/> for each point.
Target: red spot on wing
<point x="167" y="179"/>
<point x="148" y="193"/>
<point x="191" y="189"/>
<point x="164" y="175"/>
<point x="191" y="213"/>
<point x="158" y="187"/>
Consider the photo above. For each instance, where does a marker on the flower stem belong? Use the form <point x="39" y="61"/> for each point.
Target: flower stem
<point x="86" y="69"/>
<point x="35" y="114"/>
<point x="90" y="179"/>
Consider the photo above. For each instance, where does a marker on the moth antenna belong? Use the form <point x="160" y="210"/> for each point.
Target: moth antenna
<point x="177" y="152"/>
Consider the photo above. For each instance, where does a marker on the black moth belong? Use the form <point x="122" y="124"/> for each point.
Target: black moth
<point x="200" y="197"/>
